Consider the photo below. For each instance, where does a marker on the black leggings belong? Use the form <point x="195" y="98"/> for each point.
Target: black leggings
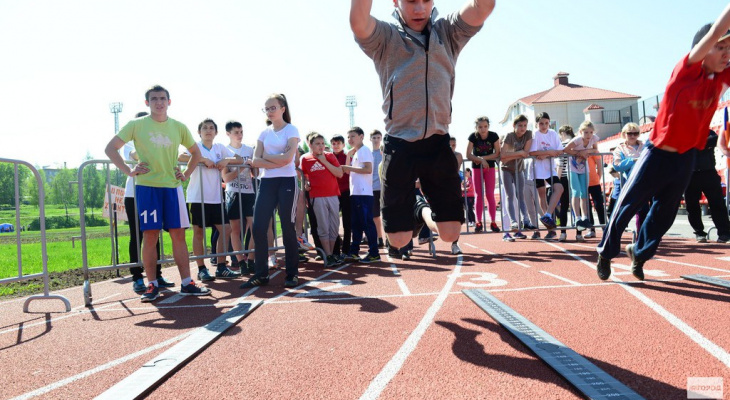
<point x="273" y="192"/>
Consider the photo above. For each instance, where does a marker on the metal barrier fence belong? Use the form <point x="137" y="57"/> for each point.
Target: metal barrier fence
<point x="532" y="199"/>
<point x="88" y="296"/>
<point x="44" y="253"/>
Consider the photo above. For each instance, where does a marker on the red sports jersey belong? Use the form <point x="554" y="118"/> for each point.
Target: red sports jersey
<point x="321" y="181"/>
<point x="689" y="103"/>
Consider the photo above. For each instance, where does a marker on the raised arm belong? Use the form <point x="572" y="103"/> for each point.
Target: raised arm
<point x="361" y="22"/>
<point x="474" y="12"/>
<point x="719" y="28"/>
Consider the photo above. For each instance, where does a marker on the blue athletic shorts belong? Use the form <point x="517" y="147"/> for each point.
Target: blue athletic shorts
<point x="161" y="208"/>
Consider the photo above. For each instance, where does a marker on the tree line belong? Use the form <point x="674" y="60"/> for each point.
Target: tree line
<point x="59" y="190"/>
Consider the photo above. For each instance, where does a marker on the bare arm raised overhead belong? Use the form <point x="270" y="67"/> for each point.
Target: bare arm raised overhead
<point x="475" y="12"/>
<point x="361" y="22"/>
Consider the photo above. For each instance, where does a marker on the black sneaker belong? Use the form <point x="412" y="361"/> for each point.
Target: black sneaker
<point x="204" y="275"/>
<point x="528" y="226"/>
<point x="637" y="266"/>
<point x="370" y="259"/>
<point x="393" y="252"/>
<point x="552" y="235"/>
<point x="254" y="282"/>
<point x="152" y="293"/>
<point x="291" y="281"/>
<point x="723" y="239"/>
<point x="701" y="237"/>
<point x="349" y="258"/>
<point x="381" y="244"/>
<point x="603" y="268"/>
<point x="191" y="289"/>
<point x="405" y="256"/>
<point x="251" y="267"/>
<point x="162" y="282"/>
<point x="223" y="272"/>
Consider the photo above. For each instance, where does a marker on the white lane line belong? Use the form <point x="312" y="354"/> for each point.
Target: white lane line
<point x="172" y="299"/>
<point x="574" y="283"/>
<point x="378" y="384"/>
<point x="723" y="258"/>
<point x="403" y="287"/>
<point x="111" y="364"/>
<point x="395" y="270"/>
<point x="386" y="296"/>
<point x="716" y="351"/>
<point x="68" y="315"/>
<point x="691" y="265"/>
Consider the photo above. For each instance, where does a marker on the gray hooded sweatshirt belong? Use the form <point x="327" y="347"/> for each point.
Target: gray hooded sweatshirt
<point x="417" y="73"/>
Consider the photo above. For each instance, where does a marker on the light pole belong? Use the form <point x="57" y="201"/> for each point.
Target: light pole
<point x="116" y="108"/>
<point x="351" y="103"/>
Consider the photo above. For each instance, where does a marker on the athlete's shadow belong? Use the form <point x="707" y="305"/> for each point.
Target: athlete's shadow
<point x="177" y="317"/>
<point x="467" y="348"/>
<point x="368" y="304"/>
<point x="687" y="289"/>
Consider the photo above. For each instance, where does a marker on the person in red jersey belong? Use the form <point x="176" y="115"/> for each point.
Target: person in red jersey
<point x="321" y="170"/>
<point x="665" y="166"/>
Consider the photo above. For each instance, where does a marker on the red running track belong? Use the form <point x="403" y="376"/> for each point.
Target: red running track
<point x="392" y="330"/>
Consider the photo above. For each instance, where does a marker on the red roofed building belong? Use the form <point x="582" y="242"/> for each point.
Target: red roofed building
<point x="571" y="104"/>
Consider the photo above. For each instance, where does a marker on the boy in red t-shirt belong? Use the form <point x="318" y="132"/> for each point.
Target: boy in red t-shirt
<point x="321" y="171"/>
<point x="665" y="166"/>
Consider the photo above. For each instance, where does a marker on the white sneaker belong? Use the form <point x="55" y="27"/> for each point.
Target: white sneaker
<point x="590" y="234"/>
<point x="579" y="238"/>
<point x="471" y="224"/>
<point x="423" y="240"/>
<point x="563" y="237"/>
<point x="455" y="249"/>
<point x="272" y="262"/>
<point x="514" y="226"/>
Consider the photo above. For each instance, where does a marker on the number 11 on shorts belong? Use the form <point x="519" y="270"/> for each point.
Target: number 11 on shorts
<point x="153" y="215"/>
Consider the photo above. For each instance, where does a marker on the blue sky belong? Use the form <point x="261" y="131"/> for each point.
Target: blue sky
<point x="64" y="62"/>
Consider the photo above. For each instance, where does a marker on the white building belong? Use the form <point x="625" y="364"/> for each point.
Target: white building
<point x="571" y="104"/>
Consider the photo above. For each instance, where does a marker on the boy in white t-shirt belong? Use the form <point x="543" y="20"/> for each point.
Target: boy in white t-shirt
<point x="205" y="202"/>
<point x="581" y="147"/>
<point x="546" y="145"/>
<point x="361" y="197"/>
<point x="240" y="195"/>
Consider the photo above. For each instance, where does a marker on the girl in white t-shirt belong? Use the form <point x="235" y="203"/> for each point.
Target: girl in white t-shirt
<point x="580" y="148"/>
<point x="274" y="155"/>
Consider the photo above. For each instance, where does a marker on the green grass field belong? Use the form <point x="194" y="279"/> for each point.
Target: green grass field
<point x="30" y="213"/>
<point x="64" y="255"/>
